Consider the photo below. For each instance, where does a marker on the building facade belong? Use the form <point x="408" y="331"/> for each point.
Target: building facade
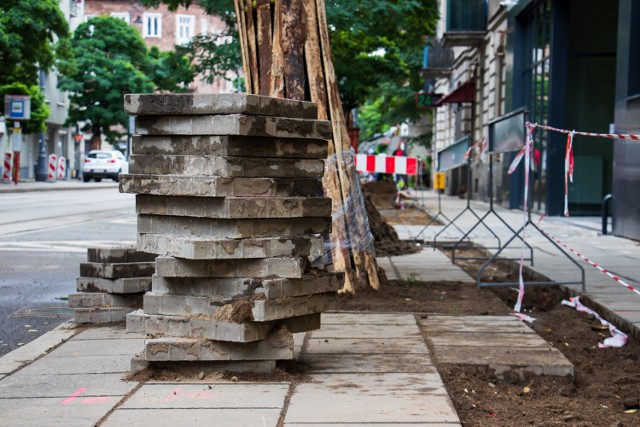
<point x="569" y="64"/>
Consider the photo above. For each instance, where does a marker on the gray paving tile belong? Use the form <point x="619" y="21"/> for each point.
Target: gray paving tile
<point x="22" y="385"/>
<point x="194" y="417"/>
<point x="365" y="346"/>
<point x="344" y="318"/>
<point x="79" y="365"/>
<point x="81" y="411"/>
<point x="110" y="332"/>
<point x="370" y="363"/>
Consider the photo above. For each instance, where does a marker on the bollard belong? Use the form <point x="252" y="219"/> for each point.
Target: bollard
<point x="62" y="168"/>
<point x="6" y="171"/>
<point x="605" y="209"/>
<point x="52" y="168"/>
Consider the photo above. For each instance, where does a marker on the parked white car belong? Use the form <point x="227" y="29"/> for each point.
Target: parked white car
<point x="104" y="164"/>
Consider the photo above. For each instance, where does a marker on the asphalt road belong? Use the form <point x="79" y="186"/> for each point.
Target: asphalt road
<point x="43" y="239"/>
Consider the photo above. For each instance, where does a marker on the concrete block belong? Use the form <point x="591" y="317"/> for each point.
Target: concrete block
<point x="135" y="322"/>
<point x="97" y="300"/>
<point x="226" y="167"/>
<point x="204" y="286"/>
<point x="203" y="248"/>
<point x="310" y="284"/>
<point x="182" y="305"/>
<point x="267" y="268"/>
<point x="117" y="270"/>
<point x="234" y="207"/>
<point x="230" y="146"/>
<point x="101" y="315"/>
<point x="118" y="255"/>
<point x="277" y="346"/>
<point x="264" y="311"/>
<point x="233" y="124"/>
<point x="211" y="186"/>
<point x="221" y="103"/>
<point x="124" y="285"/>
<point x="230" y="228"/>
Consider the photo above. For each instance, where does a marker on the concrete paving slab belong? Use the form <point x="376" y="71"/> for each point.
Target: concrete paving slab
<point x="23" y="385"/>
<point x="194" y="417"/>
<point x="344" y="318"/>
<point x="434" y="325"/>
<point x="106" y="333"/>
<point x="367" y="331"/>
<point x="108" y="347"/>
<point x="485" y="340"/>
<point x="80" y="411"/>
<point x="371" y="363"/>
<point x="80" y="365"/>
<point x="208" y="396"/>
<point x="371" y="398"/>
<point x="36" y="348"/>
<point x="427" y="266"/>
<point x="364" y="346"/>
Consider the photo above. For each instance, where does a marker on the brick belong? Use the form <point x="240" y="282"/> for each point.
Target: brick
<point x="118" y="255"/>
<point x="101" y="315"/>
<point x="234" y="207"/>
<point x="182" y="305"/>
<point x="176" y="185"/>
<point x="267" y="268"/>
<point x="201" y="327"/>
<point x="227" y="103"/>
<point x="278" y="346"/>
<point x="125" y="285"/>
<point x="231" y="228"/>
<point x="205" y="286"/>
<point x="230" y="146"/>
<point x="233" y="124"/>
<point x="97" y="300"/>
<point x="116" y="270"/>
<point x="203" y="248"/>
<point x="264" y="311"/>
<point x="226" y="167"/>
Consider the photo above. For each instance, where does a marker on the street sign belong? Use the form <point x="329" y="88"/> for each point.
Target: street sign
<point x="17" y="107"/>
<point x="425" y="101"/>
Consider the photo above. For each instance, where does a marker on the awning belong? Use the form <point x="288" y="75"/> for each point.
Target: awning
<point x="466" y="92"/>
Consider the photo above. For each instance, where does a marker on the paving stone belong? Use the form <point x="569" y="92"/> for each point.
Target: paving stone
<point x="486" y="324"/>
<point x="481" y="339"/>
<point x="221" y="103"/>
<point x="84" y="316"/>
<point x="104" y="347"/>
<point x="106" y="333"/>
<point x="23" y="386"/>
<point x="124" y="285"/>
<point x="269" y="267"/>
<point x="230" y="146"/>
<point x="207" y="367"/>
<point x="34" y="349"/>
<point x="202" y="248"/>
<point x="205" y="286"/>
<point x="349" y="318"/>
<point x="200" y="327"/>
<point x="371" y="398"/>
<point x="231" y="228"/>
<point x="264" y="311"/>
<point x="97" y="300"/>
<point x="80" y="365"/>
<point x="118" y="255"/>
<point x="42" y="412"/>
<point x="365" y="346"/>
<point x="226" y="167"/>
<point x="310" y="284"/>
<point x="211" y="186"/>
<point x="364" y="330"/>
<point x="234" y="207"/>
<point x="182" y="305"/>
<point x="116" y="270"/>
<point x="278" y="346"/>
<point x="372" y="363"/>
<point x="171" y="417"/>
<point x="233" y="124"/>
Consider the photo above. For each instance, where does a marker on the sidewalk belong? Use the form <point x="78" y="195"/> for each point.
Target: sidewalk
<point x="620" y="256"/>
<point x="70" y="184"/>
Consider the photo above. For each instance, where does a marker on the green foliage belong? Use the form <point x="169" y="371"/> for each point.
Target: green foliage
<point x="39" y="108"/>
<point x="27" y="32"/>
<point x="109" y="59"/>
<point x="215" y="55"/>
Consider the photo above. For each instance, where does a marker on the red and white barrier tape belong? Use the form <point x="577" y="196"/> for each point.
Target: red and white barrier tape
<point x="484" y="144"/>
<point x="617" y="339"/>
<point x="601" y="135"/>
<point x="568" y="170"/>
<point x="387" y="164"/>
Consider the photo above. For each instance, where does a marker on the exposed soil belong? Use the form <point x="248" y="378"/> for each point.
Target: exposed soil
<point x="606" y="388"/>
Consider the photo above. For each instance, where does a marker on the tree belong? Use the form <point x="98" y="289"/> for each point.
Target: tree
<point x="110" y="59"/>
<point x="28" y="29"/>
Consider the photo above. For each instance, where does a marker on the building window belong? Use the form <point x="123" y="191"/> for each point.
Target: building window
<point x="122" y="15"/>
<point x="152" y="25"/>
<point x="185" y="28"/>
<point x="204" y="26"/>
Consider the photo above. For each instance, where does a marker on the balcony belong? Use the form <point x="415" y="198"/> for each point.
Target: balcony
<point x="466" y="23"/>
<point x="438" y="60"/>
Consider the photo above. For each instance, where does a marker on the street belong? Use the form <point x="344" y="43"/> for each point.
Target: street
<point x="43" y="239"/>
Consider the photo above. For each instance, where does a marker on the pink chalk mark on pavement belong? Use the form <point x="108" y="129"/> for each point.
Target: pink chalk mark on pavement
<point x="74" y="396"/>
<point x="174" y="395"/>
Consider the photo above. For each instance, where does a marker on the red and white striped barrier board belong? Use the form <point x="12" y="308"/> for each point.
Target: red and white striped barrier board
<point x="6" y="170"/>
<point x="387" y="164"/>
<point x="62" y="167"/>
<point x="52" y="168"/>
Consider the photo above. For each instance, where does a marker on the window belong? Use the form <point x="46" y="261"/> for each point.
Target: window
<point x="185" y="28"/>
<point x="204" y="26"/>
<point x="152" y="25"/>
<point x="121" y="15"/>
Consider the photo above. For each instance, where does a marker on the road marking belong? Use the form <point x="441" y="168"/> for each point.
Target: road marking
<point x="62" y="246"/>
